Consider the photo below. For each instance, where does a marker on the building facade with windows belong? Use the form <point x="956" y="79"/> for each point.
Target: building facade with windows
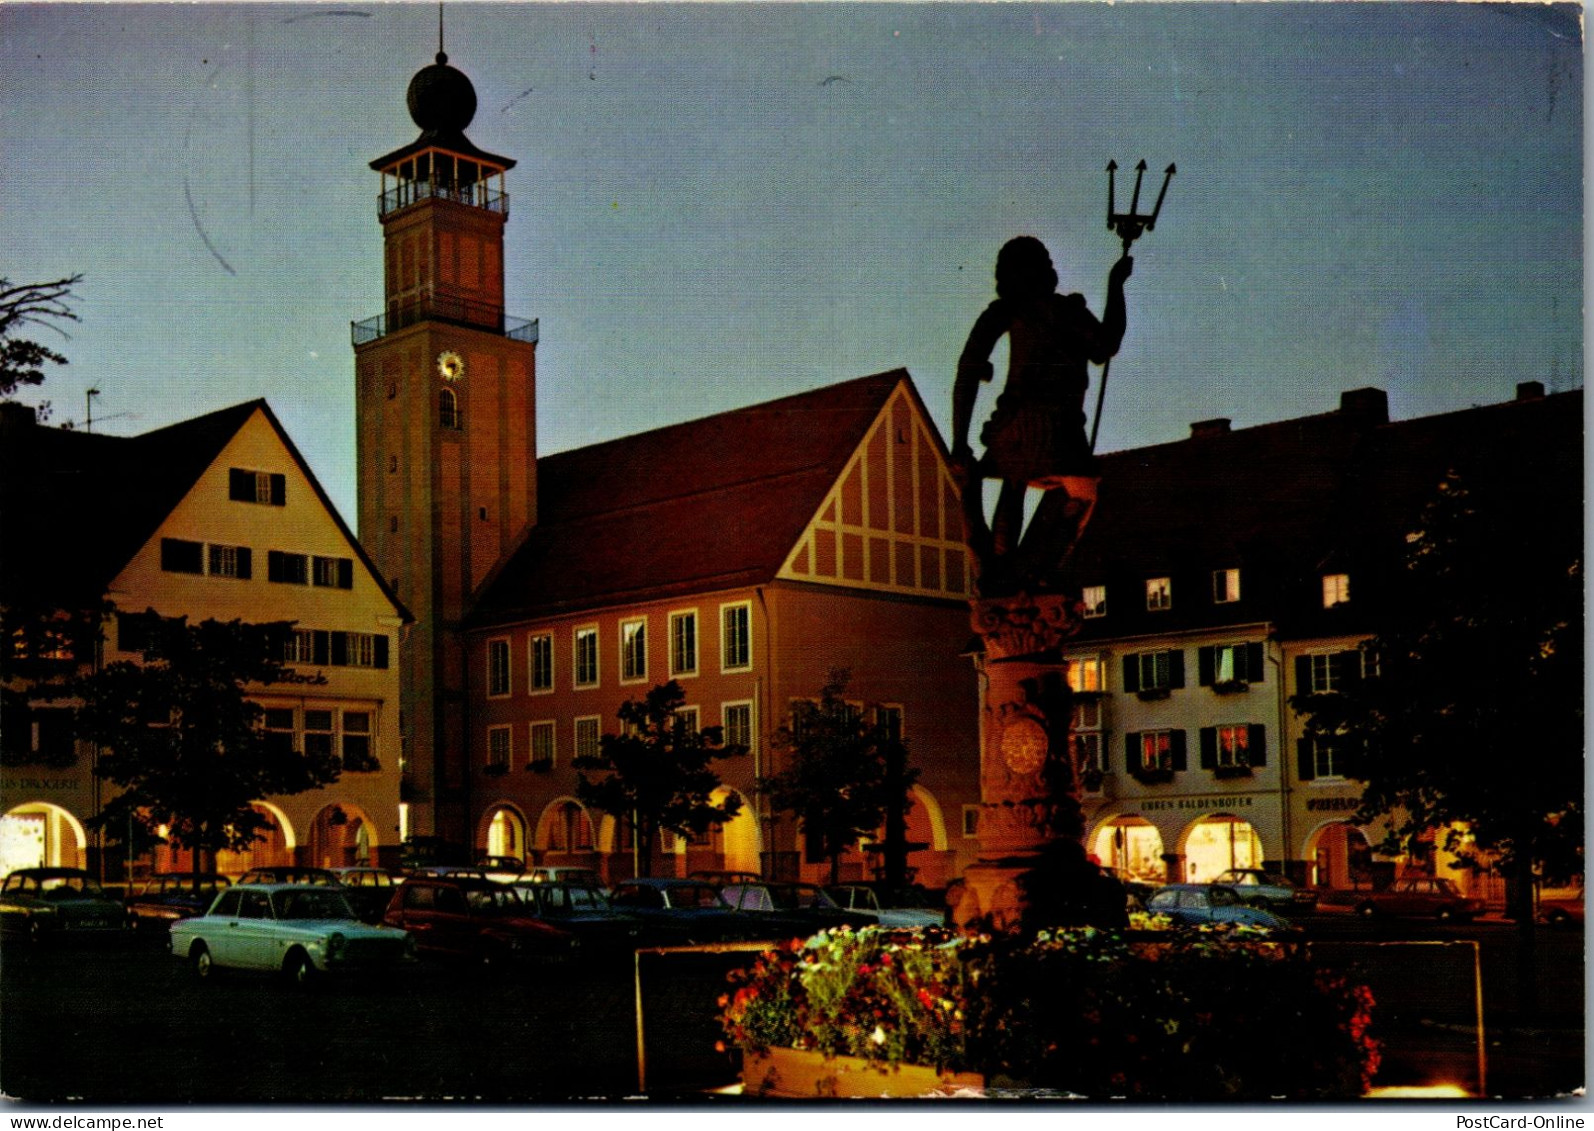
<point x="744" y="556"/>
<point x="1227" y="572"/>
<point x="217" y="518"/>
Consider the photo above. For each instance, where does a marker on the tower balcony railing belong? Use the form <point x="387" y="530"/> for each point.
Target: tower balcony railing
<point x="477" y="195"/>
<point x="441" y="308"/>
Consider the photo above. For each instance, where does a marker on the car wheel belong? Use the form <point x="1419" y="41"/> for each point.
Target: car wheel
<point x="201" y="963"/>
<point x="1366" y="910"/>
<point x="299" y="969"/>
<point x="1558" y="918"/>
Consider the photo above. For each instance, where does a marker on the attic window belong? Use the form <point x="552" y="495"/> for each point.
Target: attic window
<point x="1336" y="589"/>
<point x="267" y="487"/>
<point x="1225" y="586"/>
<point x="1159" y="593"/>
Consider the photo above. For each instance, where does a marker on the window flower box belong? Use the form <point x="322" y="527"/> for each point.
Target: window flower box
<point x="1147" y="694"/>
<point x="1230" y="687"/>
<point x="540" y="765"/>
<point x="1151" y="777"/>
<point x="1231" y="771"/>
<point x="495" y="769"/>
<point x="807" y="1074"/>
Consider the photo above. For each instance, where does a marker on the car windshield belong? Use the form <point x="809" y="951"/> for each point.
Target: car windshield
<point x="311" y="904"/>
<point x="494" y="901"/>
<point x="70" y="887"/>
<point x="695" y="896"/>
<point x="1164" y="899"/>
<point x="1223" y="897"/>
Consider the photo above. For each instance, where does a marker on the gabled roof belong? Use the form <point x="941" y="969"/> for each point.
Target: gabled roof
<point x="710" y="504"/>
<point x="75" y="506"/>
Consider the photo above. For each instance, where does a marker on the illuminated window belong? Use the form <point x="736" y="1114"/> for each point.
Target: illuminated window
<point x="633" y="651"/>
<point x="1336" y="589"/>
<point x="1094" y="599"/>
<point x="586" y="645"/>
<point x="1225" y="586"/>
<point x="736" y="637"/>
<point x="1155" y="751"/>
<point x="1233" y="747"/>
<point x="683" y="644"/>
<point x="1159" y="593"/>
<point x="1222" y="665"/>
<point x="1086" y="673"/>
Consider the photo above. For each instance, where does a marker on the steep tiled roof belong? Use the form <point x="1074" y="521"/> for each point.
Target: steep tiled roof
<point x="75" y="507"/>
<point x="1291" y="501"/>
<point x="712" y="503"/>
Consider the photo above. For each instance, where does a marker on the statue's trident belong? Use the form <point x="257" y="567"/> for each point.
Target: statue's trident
<point x="1129" y="226"/>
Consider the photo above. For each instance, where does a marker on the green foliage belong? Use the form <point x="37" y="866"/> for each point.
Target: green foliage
<point x="1474" y="722"/>
<point x="1156" y="1016"/>
<point x="180" y="737"/>
<point x="36" y="304"/>
<point x="846" y="774"/>
<point x="44" y="647"/>
<point x="658" y="773"/>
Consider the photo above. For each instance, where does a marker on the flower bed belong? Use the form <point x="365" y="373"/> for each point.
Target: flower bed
<point x="1199" y="1015"/>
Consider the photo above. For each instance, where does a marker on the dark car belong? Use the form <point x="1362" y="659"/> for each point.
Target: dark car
<point x="158" y="902"/>
<point x="681" y="912"/>
<point x="791" y="910"/>
<point x="289" y="874"/>
<point x="369" y="891"/>
<point x="1196" y="905"/>
<point x="584" y="911"/>
<point x="473" y="918"/>
<point x="1421" y="895"/>
<point x="50" y="903"/>
<point x="1268" y="889"/>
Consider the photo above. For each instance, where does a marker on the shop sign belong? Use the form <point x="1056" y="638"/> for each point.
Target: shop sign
<point x="1332" y="804"/>
<point x="1239" y="802"/>
<point x="23" y="785"/>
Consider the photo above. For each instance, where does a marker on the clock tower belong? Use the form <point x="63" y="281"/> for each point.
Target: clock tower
<point x="446" y="421"/>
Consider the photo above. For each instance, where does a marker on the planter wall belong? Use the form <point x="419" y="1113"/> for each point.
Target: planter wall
<point x="798" y="1074"/>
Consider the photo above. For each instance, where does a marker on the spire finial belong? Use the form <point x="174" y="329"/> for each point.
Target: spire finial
<point x="442" y="56"/>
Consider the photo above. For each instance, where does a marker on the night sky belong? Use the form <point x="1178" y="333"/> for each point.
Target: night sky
<point x="719" y="204"/>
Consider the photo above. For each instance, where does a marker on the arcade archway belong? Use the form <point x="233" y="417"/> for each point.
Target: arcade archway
<point x="1217" y="843"/>
<point x="41" y="835"/>
<point x="341" y="836"/>
<point x="1133" y="846"/>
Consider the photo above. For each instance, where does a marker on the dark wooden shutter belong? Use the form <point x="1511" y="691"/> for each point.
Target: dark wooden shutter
<point x="1103" y="750"/>
<point x="245" y="563"/>
<point x="274" y="565"/>
<point x="1206" y="665"/>
<point x="1255" y="665"/>
<point x="1132" y="673"/>
<point x="1257" y="745"/>
<point x="1303" y="675"/>
<point x="1348" y="667"/>
<point x="1176" y="668"/>
<point x="340" y="649"/>
<point x="279" y="490"/>
<point x="1209" y="748"/>
<point x="1176" y="747"/>
<point x="320" y="647"/>
<point x="1305" y="768"/>
<point x="379" y="650"/>
<point x="1132" y="750"/>
<point x="345" y="573"/>
<point x="240" y="485"/>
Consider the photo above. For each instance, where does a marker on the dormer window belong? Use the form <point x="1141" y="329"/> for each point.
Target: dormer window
<point x="1336" y="589"/>
<point x="1159" y="593"/>
<point x="1094" y="599"/>
<point x="1225" y="586"/>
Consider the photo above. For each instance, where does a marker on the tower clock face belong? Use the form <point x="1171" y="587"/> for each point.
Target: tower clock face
<point x="450" y="365"/>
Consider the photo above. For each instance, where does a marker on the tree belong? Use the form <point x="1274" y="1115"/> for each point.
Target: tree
<point x="31" y="304"/>
<point x="178" y="733"/>
<point x="1469" y="725"/>
<point x="658" y="773"/>
<point x="846" y="775"/>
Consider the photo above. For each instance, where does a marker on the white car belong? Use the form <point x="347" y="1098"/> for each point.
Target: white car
<point x="301" y="931"/>
<point x="908" y="907"/>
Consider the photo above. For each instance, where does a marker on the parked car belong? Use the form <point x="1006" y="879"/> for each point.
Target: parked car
<point x="473" y="918"/>
<point x="289" y="874"/>
<point x="790" y="910"/>
<point x="564" y="873"/>
<point x="51" y="903"/>
<point x="677" y="912"/>
<point x="1421" y="895"/>
<point x="1137" y="890"/>
<point x="1268" y="889"/>
<point x="720" y="878"/>
<point x="158" y="902"/>
<point x="1561" y="907"/>
<point x="300" y="930"/>
<point x="1195" y="905"/>
<point x="369" y="891"/>
<point x="584" y="911"/>
<point x="911" y="906"/>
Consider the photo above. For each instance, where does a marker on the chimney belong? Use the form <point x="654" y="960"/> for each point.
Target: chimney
<point x="1204" y="429"/>
<point x="1369" y="406"/>
<point x="1530" y="391"/>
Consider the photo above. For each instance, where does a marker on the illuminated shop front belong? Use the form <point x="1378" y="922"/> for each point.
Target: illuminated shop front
<point x="1133" y="846"/>
<point x="38" y="835"/>
<point x="1217" y="843"/>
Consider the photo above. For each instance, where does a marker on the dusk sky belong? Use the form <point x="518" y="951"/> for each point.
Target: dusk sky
<point x="720" y="204"/>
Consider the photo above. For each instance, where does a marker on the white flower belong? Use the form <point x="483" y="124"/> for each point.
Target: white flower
<point x="878" y="1036"/>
